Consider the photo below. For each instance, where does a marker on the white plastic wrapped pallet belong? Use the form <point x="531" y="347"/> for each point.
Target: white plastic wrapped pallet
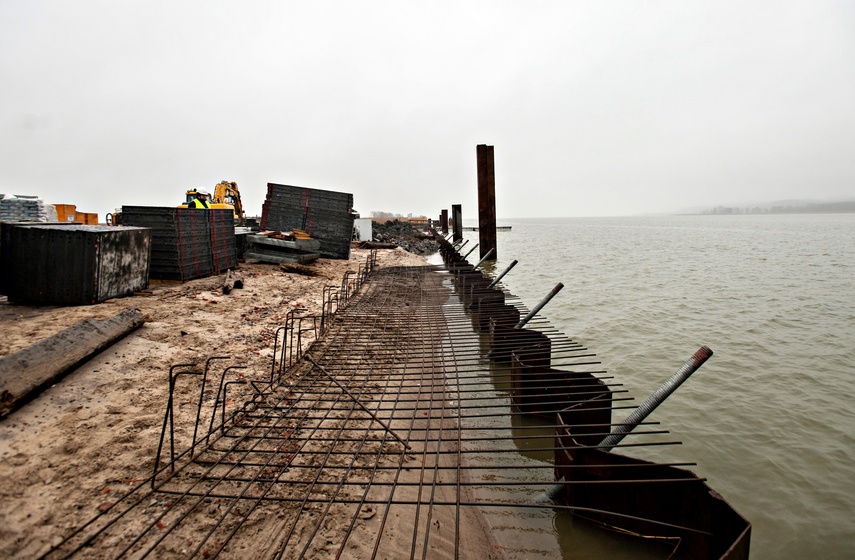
<point x="25" y="208"/>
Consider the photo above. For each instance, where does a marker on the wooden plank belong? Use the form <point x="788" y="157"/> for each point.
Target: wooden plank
<point x="27" y="372"/>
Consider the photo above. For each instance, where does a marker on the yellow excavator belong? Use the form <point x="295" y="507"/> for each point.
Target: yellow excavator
<point x="226" y="197"/>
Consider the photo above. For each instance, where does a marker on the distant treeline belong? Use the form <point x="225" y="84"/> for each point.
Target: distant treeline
<point x="808" y="208"/>
<point x="383" y="216"/>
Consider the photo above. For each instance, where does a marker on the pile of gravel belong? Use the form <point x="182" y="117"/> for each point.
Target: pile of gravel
<point x="405" y="236"/>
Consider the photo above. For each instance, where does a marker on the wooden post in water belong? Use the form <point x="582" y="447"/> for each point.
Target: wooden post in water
<point x="486" y="200"/>
<point x="457" y="222"/>
<point x="443" y="219"/>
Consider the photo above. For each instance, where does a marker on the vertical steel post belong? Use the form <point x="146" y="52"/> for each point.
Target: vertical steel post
<point x="486" y="200"/>
<point x="457" y="221"/>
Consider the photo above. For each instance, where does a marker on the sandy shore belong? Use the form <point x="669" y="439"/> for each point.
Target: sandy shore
<point x="93" y="435"/>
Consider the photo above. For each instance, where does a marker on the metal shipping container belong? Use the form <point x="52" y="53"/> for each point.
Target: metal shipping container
<point x="72" y="264"/>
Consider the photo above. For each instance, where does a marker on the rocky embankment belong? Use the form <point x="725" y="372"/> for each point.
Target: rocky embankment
<point x="406" y="236"/>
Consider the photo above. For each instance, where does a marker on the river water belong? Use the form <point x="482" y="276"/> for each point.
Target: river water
<point x="769" y="419"/>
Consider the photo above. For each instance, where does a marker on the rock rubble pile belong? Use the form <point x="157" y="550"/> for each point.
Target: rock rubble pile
<point x="405" y="236"/>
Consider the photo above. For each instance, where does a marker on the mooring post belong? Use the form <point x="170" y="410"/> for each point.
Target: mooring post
<point x="500" y="276"/>
<point x="457" y="221"/>
<point x="486" y="200"/>
<point x="539" y="306"/>
<point x="443" y="221"/>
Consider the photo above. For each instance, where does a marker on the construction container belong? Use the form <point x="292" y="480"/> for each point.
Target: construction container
<point x="70" y="264"/>
<point x="187" y="243"/>
<point x="87" y="218"/>
<point x="326" y="215"/>
<point x="65" y="212"/>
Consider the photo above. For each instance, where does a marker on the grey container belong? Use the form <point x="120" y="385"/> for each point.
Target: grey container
<point x="72" y="264"/>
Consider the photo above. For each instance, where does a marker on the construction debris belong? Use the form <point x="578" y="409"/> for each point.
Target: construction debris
<point x="281" y="247"/>
<point x="233" y="280"/>
<point x="24" y="373"/>
<point x="404" y="235"/>
<point x="296" y="268"/>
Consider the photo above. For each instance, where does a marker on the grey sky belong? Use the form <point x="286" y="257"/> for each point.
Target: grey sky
<point x="594" y="108"/>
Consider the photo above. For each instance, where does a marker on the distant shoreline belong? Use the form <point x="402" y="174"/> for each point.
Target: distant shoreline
<point x="846" y="207"/>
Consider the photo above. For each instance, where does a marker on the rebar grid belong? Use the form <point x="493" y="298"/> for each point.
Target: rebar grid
<point x="391" y="434"/>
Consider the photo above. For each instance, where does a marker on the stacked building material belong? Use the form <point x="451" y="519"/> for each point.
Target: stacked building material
<point x="280" y="247"/>
<point x="186" y="243"/>
<point x="326" y="215"/>
<point x="21" y="208"/>
<point x="223" y="246"/>
<point x="70" y="264"/>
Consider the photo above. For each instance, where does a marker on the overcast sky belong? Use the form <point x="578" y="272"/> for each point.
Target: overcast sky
<point x="594" y="108"/>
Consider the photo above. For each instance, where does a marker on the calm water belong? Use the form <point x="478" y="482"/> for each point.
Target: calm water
<point x="769" y="420"/>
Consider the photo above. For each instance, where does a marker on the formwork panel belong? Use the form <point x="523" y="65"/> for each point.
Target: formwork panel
<point x="73" y="264"/>
<point x="223" y="242"/>
<point x="186" y="243"/>
<point x="325" y="215"/>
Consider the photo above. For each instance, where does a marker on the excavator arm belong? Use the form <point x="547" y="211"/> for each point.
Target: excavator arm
<point x="226" y="192"/>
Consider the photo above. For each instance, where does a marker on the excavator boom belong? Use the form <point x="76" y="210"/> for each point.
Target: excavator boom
<point x="226" y="192"/>
<point x="226" y="196"/>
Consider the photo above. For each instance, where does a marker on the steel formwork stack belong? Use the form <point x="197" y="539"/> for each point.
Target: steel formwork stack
<point x="186" y="243"/>
<point x="326" y="215"/>
<point x="223" y="243"/>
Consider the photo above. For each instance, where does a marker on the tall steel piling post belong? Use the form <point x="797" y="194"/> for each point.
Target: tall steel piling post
<point x="457" y="222"/>
<point x="443" y="221"/>
<point x="486" y="200"/>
